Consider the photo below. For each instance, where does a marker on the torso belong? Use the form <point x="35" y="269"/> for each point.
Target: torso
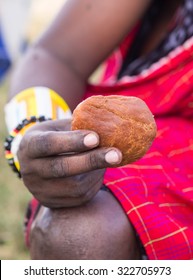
<point x="161" y="25"/>
<point x="155" y="29"/>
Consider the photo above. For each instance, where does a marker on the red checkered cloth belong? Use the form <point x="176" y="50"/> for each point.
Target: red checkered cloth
<point x="156" y="192"/>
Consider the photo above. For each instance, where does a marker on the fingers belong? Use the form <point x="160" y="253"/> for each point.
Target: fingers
<point x="44" y="144"/>
<point x="68" y="192"/>
<point x="65" y="166"/>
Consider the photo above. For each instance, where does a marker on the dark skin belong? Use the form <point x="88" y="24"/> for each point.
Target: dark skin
<point x="76" y="178"/>
<point x="96" y="230"/>
<point x="63" y="59"/>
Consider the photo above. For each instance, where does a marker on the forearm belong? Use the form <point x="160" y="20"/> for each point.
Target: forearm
<point x="34" y="70"/>
<point x="83" y="35"/>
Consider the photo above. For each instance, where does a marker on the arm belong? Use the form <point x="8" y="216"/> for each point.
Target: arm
<point x="82" y="36"/>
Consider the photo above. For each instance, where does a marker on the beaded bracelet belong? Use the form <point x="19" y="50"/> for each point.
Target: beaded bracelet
<point x="9" y="140"/>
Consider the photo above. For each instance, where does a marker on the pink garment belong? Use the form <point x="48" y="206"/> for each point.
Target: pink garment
<point x="156" y="192"/>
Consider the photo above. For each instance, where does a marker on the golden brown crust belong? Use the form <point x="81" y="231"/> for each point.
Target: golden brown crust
<point x="122" y="122"/>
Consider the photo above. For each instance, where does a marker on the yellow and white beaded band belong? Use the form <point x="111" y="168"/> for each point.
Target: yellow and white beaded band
<point x="24" y="110"/>
<point x="36" y="101"/>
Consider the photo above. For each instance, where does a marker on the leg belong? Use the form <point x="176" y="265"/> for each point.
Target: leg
<point x="96" y="230"/>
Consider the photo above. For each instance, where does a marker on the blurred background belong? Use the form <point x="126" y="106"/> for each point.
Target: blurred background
<point x="21" y="22"/>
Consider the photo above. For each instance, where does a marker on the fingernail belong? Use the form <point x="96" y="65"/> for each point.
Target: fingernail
<point x="112" y="157"/>
<point x="91" y="140"/>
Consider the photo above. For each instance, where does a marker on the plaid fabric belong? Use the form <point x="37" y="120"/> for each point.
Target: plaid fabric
<point x="156" y="192"/>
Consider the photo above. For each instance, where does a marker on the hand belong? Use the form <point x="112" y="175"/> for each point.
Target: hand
<point x="63" y="168"/>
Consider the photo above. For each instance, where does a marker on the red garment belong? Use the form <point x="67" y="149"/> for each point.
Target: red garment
<point x="156" y="192"/>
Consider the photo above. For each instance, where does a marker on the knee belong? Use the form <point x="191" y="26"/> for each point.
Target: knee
<point x="59" y="234"/>
<point x="97" y="230"/>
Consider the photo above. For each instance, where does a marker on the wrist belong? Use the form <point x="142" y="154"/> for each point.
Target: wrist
<point x="26" y="109"/>
<point x="35" y="101"/>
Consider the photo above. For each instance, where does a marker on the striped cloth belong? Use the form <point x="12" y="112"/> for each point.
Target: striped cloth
<point x="156" y="192"/>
